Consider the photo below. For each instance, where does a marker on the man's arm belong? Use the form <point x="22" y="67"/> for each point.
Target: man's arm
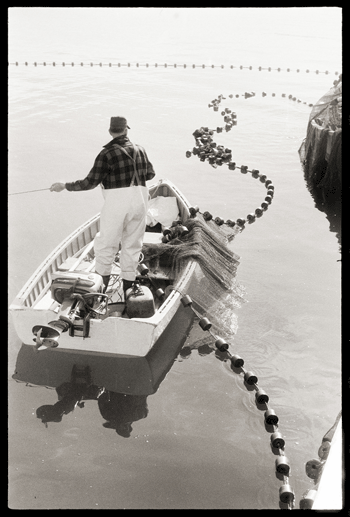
<point x="94" y="178"/>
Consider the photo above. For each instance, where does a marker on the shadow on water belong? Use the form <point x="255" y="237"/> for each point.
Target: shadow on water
<point x="120" y="385"/>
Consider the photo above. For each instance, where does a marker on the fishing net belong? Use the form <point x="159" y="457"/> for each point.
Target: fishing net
<point x="216" y="292"/>
<point x="320" y="152"/>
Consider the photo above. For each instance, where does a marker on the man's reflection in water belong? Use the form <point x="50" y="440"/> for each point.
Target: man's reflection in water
<point x="119" y="410"/>
<point x="70" y="395"/>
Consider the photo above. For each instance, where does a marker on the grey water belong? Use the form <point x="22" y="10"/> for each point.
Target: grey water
<point x="201" y="442"/>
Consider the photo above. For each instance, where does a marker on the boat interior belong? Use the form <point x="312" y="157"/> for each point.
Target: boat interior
<point x="154" y="280"/>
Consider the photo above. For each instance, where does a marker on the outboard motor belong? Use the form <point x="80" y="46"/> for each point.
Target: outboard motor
<point x="81" y="296"/>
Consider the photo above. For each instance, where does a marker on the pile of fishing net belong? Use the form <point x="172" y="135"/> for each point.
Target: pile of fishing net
<point x="216" y="292"/>
<point x="320" y="152"/>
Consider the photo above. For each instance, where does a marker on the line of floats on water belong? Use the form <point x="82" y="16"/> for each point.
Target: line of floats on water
<point x="174" y="65"/>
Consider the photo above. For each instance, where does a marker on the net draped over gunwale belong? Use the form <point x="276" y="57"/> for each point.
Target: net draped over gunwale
<point x="218" y="292"/>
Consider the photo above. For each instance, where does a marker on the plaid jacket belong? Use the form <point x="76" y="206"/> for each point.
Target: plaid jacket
<point x="114" y="169"/>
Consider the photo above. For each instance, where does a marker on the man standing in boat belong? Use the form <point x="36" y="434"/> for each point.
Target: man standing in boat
<point x="121" y="169"/>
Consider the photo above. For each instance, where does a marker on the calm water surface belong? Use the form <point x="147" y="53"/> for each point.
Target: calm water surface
<point x="203" y="443"/>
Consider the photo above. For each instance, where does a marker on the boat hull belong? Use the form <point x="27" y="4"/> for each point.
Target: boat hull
<point x="132" y="375"/>
<point x="330" y="489"/>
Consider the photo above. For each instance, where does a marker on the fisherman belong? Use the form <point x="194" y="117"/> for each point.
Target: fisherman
<point x="122" y="169"/>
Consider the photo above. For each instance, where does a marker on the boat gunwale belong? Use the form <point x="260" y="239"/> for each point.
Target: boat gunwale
<point x="24" y="293"/>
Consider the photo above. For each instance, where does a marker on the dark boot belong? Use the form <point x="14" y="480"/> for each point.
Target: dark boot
<point x="105" y="282"/>
<point x="127" y="284"/>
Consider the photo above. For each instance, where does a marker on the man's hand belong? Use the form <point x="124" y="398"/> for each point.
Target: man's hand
<point x="57" y="187"/>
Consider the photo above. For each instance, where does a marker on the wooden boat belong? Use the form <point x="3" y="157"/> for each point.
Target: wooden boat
<point x="62" y="307"/>
<point x="329" y="494"/>
<point x="327" y="472"/>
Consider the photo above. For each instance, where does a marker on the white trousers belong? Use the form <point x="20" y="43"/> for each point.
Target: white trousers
<point x="122" y="221"/>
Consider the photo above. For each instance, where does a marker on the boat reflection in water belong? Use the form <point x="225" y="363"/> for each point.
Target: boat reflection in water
<point x="120" y="385"/>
